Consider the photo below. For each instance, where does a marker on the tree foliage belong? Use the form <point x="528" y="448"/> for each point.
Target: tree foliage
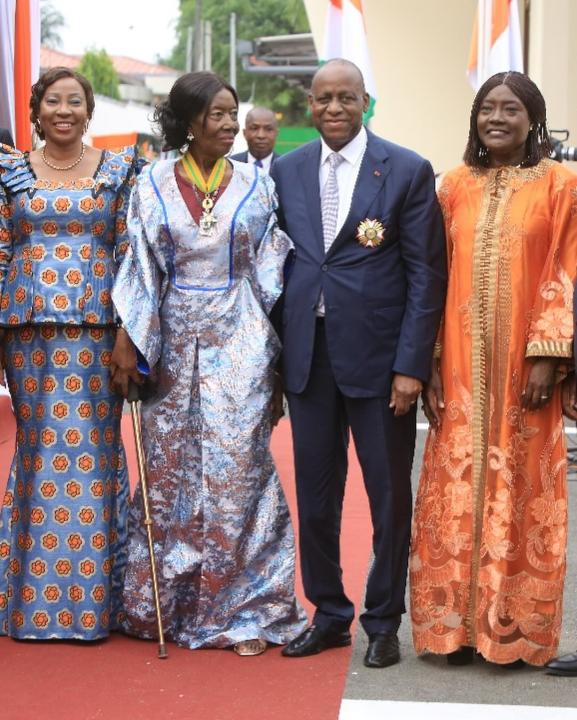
<point x="51" y="22"/>
<point x="98" y="68"/>
<point x="254" y="18"/>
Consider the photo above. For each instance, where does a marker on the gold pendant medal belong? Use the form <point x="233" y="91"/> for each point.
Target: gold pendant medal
<point x="208" y="187"/>
<point x="207" y="220"/>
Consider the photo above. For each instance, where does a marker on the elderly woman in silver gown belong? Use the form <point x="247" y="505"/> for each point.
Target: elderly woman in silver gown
<point x="204" y="269"/>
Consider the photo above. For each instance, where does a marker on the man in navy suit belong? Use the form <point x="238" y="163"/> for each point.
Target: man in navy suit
<point x="6" y="137"/>
<point x="360" y="312"/>
<point x="260" y="132"/>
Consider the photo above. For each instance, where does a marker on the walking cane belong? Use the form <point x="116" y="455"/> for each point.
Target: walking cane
<point x="135" y="412"/>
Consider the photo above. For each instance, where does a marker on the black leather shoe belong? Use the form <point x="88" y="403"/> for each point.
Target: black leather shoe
<point x="314" y="640"/>
<point x="565" y="665"/>
<point x="383" y="650"/>
<point x="462" y="656"/>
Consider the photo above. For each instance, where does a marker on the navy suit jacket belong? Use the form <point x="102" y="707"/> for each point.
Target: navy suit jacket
<point x="383" y="304"/>
<point x="243" y="157"/>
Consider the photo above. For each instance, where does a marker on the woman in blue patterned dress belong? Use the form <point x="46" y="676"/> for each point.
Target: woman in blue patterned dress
<point x="203" y="270"/>
<point x="62" y="228"/>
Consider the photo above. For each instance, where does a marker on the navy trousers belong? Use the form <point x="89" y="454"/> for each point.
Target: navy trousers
<point x="321" y="418"/>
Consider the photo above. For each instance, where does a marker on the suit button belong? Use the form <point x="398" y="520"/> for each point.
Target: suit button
<point x="325" y="268"/>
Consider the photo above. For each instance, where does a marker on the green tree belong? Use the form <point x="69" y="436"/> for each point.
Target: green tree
<point x="254" y="19"/>
<point x="51" y="22"/>
<point x="97" y="67"/>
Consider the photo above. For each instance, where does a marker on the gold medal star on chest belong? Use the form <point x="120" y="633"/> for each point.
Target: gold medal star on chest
<point x="370" y="233"/>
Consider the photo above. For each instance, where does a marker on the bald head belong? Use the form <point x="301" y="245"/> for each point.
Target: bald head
<point x="338" y="100"/>
<point x="340" y="65"/>
<point x="260" y="132"/>
<point x="260" y="114"/>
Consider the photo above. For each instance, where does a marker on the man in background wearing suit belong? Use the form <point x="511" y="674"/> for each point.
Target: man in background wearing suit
<point x="260" y="132"/>
<point x="361" y="309"/>
<point x="6" y="137"/>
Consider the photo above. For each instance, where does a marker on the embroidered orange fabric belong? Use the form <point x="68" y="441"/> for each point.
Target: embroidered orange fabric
<point x="487" y="561"/>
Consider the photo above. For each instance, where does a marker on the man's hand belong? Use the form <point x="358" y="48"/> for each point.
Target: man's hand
<point x="123" y="363"/>
<point x="404" y="393"/>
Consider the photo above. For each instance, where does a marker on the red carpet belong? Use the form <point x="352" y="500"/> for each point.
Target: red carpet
<point x="122" y="679"/>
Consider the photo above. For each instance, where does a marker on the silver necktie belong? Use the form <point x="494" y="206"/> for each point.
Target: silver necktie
<point x="330" y="201"/>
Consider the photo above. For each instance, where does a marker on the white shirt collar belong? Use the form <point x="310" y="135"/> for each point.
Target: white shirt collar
<point x="265" y="160"/>
<point x="351" y="152"/>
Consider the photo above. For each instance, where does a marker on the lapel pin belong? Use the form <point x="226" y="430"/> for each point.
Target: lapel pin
<point x="377" y="173"/>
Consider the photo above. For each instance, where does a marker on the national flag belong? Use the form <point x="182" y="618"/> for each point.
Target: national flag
<point x="496" y="41"/>
<point x="346" y="37"/>
<point x="19" y="65"/>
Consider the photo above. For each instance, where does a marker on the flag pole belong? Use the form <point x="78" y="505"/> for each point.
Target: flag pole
<point x="526" y="34"/>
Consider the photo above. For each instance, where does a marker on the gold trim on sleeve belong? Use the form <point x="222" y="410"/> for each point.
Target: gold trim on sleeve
<point x="550" y="348"/>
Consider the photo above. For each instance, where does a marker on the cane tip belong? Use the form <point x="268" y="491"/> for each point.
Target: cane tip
<point x="162" y="654"/>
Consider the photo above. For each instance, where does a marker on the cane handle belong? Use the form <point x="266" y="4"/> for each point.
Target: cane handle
<point x="132" y="391"/>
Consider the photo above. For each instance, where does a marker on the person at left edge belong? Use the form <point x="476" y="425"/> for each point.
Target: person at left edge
<point x="62" y="229"/>
<point x="260" y="132"/>
<point x="204" y="268"/>
<point x="6" y="137"/>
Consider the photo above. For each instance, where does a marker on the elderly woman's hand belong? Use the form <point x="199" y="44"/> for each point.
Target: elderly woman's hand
<point x="123" y="363"/>
<point x="277" y="406"/>
<point x="540" y="383"/>
<point x="433" y="397"/>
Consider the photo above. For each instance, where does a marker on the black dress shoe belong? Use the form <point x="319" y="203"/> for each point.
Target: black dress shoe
<point x="383" y="650"/>
<point x="515" y="665"/>
<point x="565" y="665"/>
<point x="314" y="640"/>
<point x="462" y="656"/>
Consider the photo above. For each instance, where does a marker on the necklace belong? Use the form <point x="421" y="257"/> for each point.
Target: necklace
<point x="207" y="186"/>
<point x="66" y="167"/>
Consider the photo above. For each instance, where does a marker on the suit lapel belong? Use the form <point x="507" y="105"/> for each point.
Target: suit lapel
<point x="375" y="167"/>
<point x="309" y="177"/>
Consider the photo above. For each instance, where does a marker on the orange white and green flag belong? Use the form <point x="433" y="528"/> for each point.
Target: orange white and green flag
<point x="19" y="65"/>
<point x="496" y="41"/>
<point x="346" y="37"/>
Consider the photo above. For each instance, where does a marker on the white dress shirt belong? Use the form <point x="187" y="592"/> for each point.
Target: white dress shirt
<point x="266" y="162"/>
<point x="347" y="172"/>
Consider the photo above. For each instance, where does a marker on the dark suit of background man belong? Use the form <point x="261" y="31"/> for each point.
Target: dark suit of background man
<point x="260" y="132"/>
<point x="6" y="137"/>
<point x="361" y="310"/>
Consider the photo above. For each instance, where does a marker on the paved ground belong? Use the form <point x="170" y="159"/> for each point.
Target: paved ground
<point x="430" y="679"/>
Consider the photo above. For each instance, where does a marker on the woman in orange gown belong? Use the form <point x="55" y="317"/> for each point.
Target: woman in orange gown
<point x="488" y="551"/>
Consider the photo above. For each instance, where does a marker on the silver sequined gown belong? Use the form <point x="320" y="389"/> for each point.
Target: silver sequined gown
<point x="196" y="306"/>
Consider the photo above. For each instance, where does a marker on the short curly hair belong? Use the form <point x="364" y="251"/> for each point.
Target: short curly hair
<point x="189" y="98"/>
<point x="538" y="145"/>
<point x="49" y="78"/>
